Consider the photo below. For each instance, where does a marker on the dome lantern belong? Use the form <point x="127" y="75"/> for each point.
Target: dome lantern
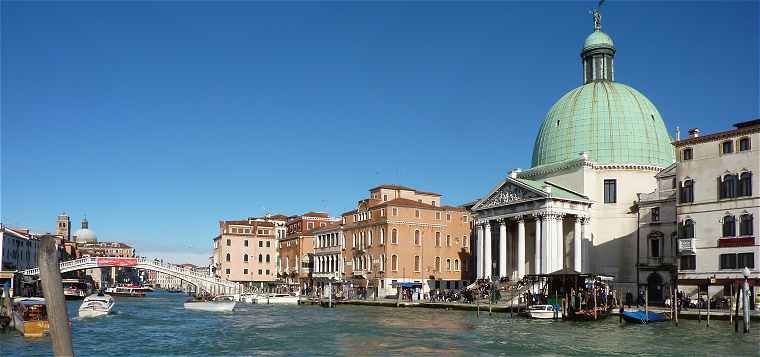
<point x="597" y="54"/>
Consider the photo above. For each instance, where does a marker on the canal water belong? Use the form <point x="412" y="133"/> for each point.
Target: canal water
<point x="158" y="325"/>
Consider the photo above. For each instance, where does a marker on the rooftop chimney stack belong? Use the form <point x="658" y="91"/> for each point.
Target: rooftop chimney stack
<point x="694" y="132"/>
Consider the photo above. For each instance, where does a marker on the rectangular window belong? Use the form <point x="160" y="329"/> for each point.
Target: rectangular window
<point x="227" y="271"/>
<point x="416" y="263"/>
<point x="268" y="244"/>
<point x="245" y="243"/>
<point x="448" y="216"/>
<point x="464" y="241"/>
<point x="261" y="244"/>
<point x="229" y="242"/>
<point x="746" y="260"/>
<point x="438" y="215"/>
<point x="382" y="212"/>
<point x="394" y="210"/>
<point x="385" y="198"/>
<point x="744" y="144"/>
<point x="245" y="271"/>
<point x="688" y="262"/>
<point x="727" y="147"/>
<point x="268" y="272"/>
<point x="417" y="213"/>
<point x="687" y="154"/>
<point x="259" y="271"/>
<point x="610" y="191"/>
<point x="655" y="214"/>
<point x="728" y="261"/>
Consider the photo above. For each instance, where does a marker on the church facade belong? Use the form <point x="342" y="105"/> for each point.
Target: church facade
<point x="599" y="146"/>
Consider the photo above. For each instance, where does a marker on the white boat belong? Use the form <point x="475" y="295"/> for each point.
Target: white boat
<point x="543" y="312"/>
<point x="96" y="305"/>
<point x="215" y="305"/>
<point x="250" y="298"/>
<point x="278" y="299"/>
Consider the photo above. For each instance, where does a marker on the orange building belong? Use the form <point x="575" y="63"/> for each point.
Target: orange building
<point x="401" y="235"/>
<point x="297" y="248"/>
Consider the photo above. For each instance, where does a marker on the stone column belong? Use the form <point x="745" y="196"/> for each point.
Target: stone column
<point x="586" y="243"/>
<point x="577" y="266"/>
<point x="502" y="248"/>
<point x="537" y="254"/>
<point x="488" y="261"/>
<point x="479" y="251"/>
<point x="520" y="247"/>
<point x="547" y="243"/>
<point x="559" y="247"/>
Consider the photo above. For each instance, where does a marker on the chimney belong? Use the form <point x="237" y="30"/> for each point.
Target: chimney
<point x="694" y="132"/>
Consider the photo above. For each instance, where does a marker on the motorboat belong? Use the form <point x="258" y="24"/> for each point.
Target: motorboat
<point x="96" y="305"/>
<point x="220" y="304"/>
<point x="643" y="317"/>
<point x="75" y="289"/>
<point x="286" y="299"/>
<point x="30" y="316"/>
<point x="543" y="312"/>
<point x="251" y="298"/>
<point x="124" y="291"/>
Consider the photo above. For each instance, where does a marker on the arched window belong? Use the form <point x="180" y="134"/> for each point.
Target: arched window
<point x="687" y="229"/>
<point x="228" y="257"/>
<point x="745" y="227"/>
<point x="416" y="263"/>
<point x="448" y="240"/>
<point x="261" y="258"/>
<point x="745" y="184"/>
<point x="416" y="237"/>
<point x="369" y="263"/>
<point x="729" y="226"/>
<point x="354" y="235"/>
<point x="369" y="238"/>
<point x="727" y="186"/>
<point x="437" y="264"/>
<point x="394" y="236"/>
<point x="448" y="264"/>
<point x="394" y="262"/>
<point x="437" y="239"/>
<point x="268" y="260"/>
<point x="687" y="192"/>
<point x="245" y="258"/>
<point x="382" y="236"/>
<point x="456" y="264"/>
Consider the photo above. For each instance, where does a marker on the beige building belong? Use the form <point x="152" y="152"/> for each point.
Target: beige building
<point x="718" y="206"/>
<point x="657" y="241"/>
<point x="328" y="258"/>
<point x="403" y="236"/>
<point x="245" y="252"/>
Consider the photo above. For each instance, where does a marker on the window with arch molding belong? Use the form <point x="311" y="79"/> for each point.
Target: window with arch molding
<point x="417" y="239"/>
<point x="729" y="226"/>
<point x="394" y="262"/>
<point x="245" y="258"/>
<point x="448" y="264"/>
<point x="437" y="264"/>
<point x="437" y="239"/>
<point x="228" y="257"/>
<point x="394" y="236"/>
<point x="745" y="225"/>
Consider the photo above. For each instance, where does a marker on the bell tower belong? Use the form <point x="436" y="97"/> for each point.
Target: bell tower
<point x="63" y="226"/>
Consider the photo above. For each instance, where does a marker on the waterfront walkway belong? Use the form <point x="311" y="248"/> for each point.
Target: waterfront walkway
<point x="691" y="314"/>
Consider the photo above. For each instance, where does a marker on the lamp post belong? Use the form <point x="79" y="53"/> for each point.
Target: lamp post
<point x="745" y="300"/>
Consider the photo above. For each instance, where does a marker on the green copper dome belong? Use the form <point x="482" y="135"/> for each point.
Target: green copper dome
<point x="611" y="122"/>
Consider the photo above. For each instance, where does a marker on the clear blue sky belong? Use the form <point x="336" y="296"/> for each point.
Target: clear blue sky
<point x="159" y="119"/>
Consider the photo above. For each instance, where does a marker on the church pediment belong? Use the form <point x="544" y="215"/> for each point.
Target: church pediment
<point x="510" y="191"/>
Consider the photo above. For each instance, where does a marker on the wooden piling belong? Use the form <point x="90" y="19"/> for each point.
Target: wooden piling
<point x="731" y="302"/>
<point x="52" y="288"/>
<point x="708" y="305"/>
<point x="736" y="310"/>
<point x="699" y="307"/>
<point x="677" y="304"/>
<point x="646" y="303"/>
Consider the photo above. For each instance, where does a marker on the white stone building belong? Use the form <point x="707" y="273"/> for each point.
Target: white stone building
<point x="718" y="207"/>
<point x="598" y="146"/>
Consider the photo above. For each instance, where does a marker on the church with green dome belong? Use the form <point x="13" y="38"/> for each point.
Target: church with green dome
<point x="598" y="147"/>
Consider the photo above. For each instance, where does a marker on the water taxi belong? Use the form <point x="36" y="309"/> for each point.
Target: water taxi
<point x="96" y="305"/>
<point x="30" y="316"/>
<point x="220" y="304"/>
<point x="287" y="299"/>
<point x="75" y="289"/>
<point x="543" y="312"/>
<point x="124" y="291"/>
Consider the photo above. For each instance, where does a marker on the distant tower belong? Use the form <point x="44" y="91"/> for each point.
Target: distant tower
<point x="63" y="228"/>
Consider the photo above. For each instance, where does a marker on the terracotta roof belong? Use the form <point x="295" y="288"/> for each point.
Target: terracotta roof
<point x="316" y="214"/>
<point x="250" y="223"/>
<point x="454" y="208"/>
<point x="239" y="222"/>
<point x="279" y="217"/>
<point x="741" y="128"/>
<point x="405" y="202"/>
<point x="405" y="188"/>
<point x="329" y="227"/>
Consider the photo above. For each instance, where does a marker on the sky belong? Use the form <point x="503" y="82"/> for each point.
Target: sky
<point x="156" y="120"/>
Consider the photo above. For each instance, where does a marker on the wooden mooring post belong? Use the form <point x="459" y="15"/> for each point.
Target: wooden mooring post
<point x="52" y="289"/>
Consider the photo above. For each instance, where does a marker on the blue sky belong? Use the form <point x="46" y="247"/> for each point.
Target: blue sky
<point x="158" y="119"/>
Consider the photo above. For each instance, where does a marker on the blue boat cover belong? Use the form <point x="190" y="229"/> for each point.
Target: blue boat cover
<point x="641" y="316"/>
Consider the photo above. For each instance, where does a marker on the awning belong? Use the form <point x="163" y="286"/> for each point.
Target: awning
<point x="411" y="285"/>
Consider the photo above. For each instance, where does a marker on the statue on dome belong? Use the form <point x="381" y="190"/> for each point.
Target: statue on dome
<point x="598" y="16"/>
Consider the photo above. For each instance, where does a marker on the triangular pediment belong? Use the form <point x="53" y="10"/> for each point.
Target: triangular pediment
<point x="508" y="192"/>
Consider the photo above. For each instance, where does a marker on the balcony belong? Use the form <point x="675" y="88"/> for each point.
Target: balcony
<point x="327" y="275"/>
<point x="362" y="272"/>
<point x="741" y="241"/>
<point x="687" y="245"/>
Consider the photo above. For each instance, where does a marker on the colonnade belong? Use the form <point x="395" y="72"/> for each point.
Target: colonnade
<point x="329" y="263"/>
<point x="549" y="240"/>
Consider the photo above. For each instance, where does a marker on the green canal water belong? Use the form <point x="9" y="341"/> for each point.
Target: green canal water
<point x="158" y="325"/>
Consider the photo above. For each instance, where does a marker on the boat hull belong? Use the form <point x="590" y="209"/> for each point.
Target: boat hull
<point x="289" y="300"/>
<point x="641" y="317"/>
<point x="542" y="315"/>
<point x="213" y="306"/>
<point x="37" y="328"/>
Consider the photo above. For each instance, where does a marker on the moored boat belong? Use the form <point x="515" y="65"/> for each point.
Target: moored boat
<point x="543" y="312"/>
<point x="96" y="305"/>
<point x="286" y="299"/>
<point x="643" y="317"/>
<point x="214" y="305"/>
<point x="30" y="316"/>
<point x="75" y="289"/>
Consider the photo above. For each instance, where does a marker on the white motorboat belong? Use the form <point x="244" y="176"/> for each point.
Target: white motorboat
<point x="96" y="305"/>
<point x="215" y="305"/>
<point x="278" y="299"/>
<point x="250" y="298"/>
<point x="543" y="312"/>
